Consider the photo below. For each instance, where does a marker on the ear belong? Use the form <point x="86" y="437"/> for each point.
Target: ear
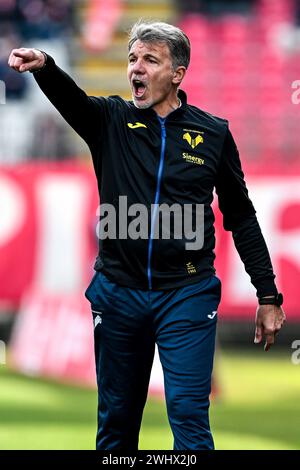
<point x="178" y="75"/>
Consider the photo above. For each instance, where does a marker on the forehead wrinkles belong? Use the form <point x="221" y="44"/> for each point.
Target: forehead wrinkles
<point x="158" y="48"/>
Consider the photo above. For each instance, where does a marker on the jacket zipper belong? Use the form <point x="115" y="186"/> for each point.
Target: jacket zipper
<point x="156" y="201"/>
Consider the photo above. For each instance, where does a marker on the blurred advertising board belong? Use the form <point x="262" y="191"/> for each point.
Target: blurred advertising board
<point x="48" y="235"/>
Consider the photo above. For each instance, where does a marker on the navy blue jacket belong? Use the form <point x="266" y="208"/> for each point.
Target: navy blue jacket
<point x="150" y="160"/>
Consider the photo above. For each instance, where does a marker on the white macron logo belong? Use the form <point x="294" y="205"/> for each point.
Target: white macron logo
<point x="213" y="314"/>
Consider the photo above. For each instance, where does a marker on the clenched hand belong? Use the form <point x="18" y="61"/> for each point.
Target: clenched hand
<point x="269" y="320"/>
<point x="24" y="60"/>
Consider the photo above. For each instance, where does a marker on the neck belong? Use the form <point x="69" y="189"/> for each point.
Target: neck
<point x="167" y="107"/>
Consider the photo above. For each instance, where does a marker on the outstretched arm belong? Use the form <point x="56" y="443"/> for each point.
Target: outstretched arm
<point x="84" y="113"/>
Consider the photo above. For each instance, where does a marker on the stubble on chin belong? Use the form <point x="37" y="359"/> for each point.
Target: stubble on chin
<point x="139" y="105"/>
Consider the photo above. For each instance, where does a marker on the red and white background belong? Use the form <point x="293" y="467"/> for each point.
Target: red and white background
<point x="48" y="244"/>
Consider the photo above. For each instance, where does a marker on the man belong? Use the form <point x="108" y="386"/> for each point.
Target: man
<point x="150" y="155"/>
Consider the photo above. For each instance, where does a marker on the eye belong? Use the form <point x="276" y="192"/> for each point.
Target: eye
<point x="131" y="60"/>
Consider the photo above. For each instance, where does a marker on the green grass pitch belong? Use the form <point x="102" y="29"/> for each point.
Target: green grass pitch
<point x="258" y="408"/>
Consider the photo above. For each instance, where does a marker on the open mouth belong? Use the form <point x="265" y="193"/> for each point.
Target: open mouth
<point x="139" y="88"/>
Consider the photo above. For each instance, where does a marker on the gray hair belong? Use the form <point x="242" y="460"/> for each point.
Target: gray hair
<point x="177" y="41"/>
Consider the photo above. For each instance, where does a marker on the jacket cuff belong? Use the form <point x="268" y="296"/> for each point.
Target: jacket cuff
<point x="265" y="287"/>
<point x="48" y="62"/>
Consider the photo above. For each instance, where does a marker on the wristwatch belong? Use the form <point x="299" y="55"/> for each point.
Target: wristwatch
<point x="271" y="300"/>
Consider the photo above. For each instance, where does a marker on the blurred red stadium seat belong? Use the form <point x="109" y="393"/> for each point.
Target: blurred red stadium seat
<point x="239" y="73"/>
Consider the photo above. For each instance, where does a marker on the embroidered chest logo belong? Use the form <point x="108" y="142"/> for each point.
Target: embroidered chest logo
<point x="192" y="159"/>
<point x="190" y="268"/>
<point x="193" y="141"/>
<point x="136" y="125"/>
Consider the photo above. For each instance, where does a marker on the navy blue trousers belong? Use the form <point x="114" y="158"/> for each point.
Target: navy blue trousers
<point x="127" y="324"/>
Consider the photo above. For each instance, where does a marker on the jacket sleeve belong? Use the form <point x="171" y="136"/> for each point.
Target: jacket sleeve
<point x="240" y="218"/>
<point x="85" y="114"/>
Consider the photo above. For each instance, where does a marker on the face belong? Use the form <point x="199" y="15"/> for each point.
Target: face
<point x="152" y="78"/>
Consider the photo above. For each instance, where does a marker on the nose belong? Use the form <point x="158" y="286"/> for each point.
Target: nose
<point x="138" y="67"/>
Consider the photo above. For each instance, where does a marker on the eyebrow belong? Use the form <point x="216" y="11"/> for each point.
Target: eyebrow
<point x="148" y="54"/>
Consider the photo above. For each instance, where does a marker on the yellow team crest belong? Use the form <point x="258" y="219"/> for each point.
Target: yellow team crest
<point x="193" y="142"/>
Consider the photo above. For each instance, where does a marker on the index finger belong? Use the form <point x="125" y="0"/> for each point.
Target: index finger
<point x="270" y="338"/>
<point x="22" y="54"/>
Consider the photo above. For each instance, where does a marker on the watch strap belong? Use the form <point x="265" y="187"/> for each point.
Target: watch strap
<point x="271" y="300"/>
